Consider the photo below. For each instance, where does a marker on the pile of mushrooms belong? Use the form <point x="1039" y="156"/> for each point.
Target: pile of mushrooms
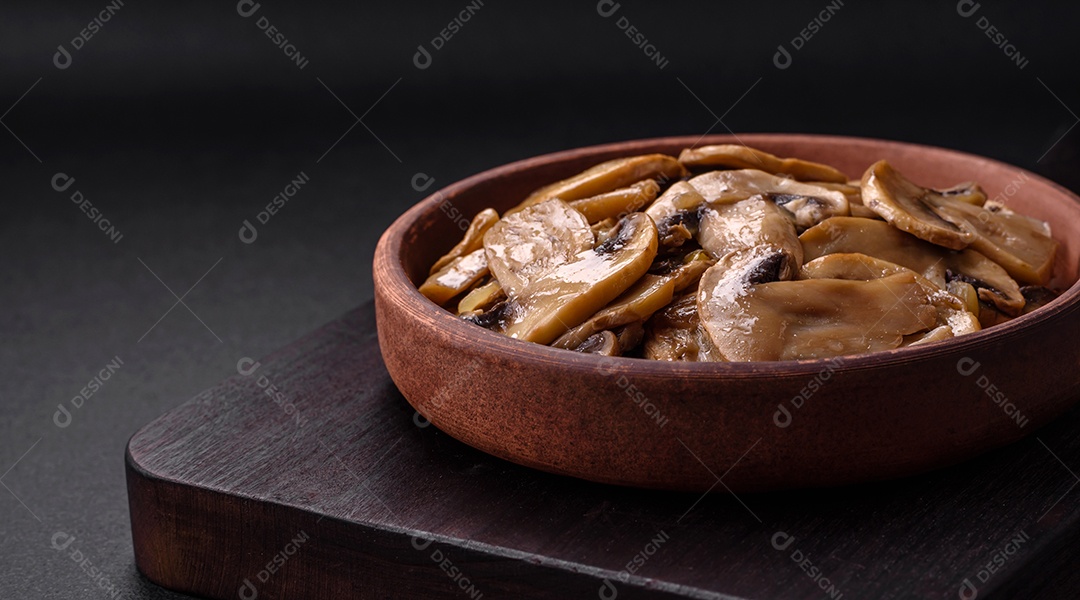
<point x="732" y="254"/>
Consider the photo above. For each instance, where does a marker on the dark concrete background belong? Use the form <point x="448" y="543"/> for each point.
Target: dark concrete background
<point x="179" y="121"/>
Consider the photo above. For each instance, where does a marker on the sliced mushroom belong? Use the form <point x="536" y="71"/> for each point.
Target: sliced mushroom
<point x="560" y="299"/>
<point x="1020" y="244"/>
<point x="808" y="203"/>
<point x="880" y="240"/>
<point x="534" y="241"/>
<point x="755" y="224"/>
<point x="907" y="207"/>
<point x="605" y="177"/>
<point x="455" y="277"/>
<point x="648" y="295"/>
<point x="968" y="192"/>
<point x="604" y="343"/>
<point x="630" y="336"/>
<point x="481" y="298"/>
<point x="853" y="192"/>
<point x="953" y="315"/>
<point x="473" y="240"/>
<point x="811" y="318"/>
<point x="675" y="334"/>
<point x="734" y="156"/>
<point x="680" y="197"/>
<point x="618" y="203"/>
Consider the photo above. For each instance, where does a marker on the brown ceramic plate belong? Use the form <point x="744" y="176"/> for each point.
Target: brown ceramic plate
<point x="755" y="426"/>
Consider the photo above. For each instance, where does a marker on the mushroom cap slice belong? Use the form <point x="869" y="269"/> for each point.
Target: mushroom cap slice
<point x="455" y="277"/>
<point x="604" y="343"/>
<point x="735" y="156"/>
<point x="809" y="203"/>
<point x="1020" y="244"/>
<point x="473" y="239"/>
<point x="880" y="240"/>
<point x="811" y="318"/>
<point x="618" y="203"/>
<point x="536" y="240"/>
<point x="905" y="206"/>
<point x="564" y="297"/>
<point x="680" y="197"/>
<point x="755" y="223"/>
<point x="607" y="176"/>
<point x="481" y="298"/>
<point x="648" y="295"/>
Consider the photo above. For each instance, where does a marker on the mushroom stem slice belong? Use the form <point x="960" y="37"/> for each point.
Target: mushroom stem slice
<point x="648" y="295"/>
<point x="618" y="203"/>
<point x="907" y="207"/>
<point x="473" y="240"/>
<point x="1020" y="244"/>
<point x="604" y="343"/>
<point x="524" y="245"/>
<point x="813" y="318"/>
<point x="455" y="277"/>
<point x="734" y="156"/>
<point x="605" y="177"/>
<point x="565" y="297"/>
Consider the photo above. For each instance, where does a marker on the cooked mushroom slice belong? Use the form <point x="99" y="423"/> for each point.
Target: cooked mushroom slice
<point x="604" y="343"/>
<point x="1019" y="243"/>
<point x="907" y="207"/>
<point x="481" y="297"/>
<point x="605" y="177"/>
<point x="734" y="156"/>
<point x="808" y="203"/>
<point x="534" y="241"/>
<point x="881" y="240"/>
<point x="967" y="192"/>
<point x="681" y="197"/>
<point x="618" y="203"/>
<point x="473" y="240"/>
<point x="754" y="223"/>
<point x="648" y="295"/>
<point x="811" y="318"/>
<point x="953" y="315"/>
<point x="852" y="191"/>
<point x="456" y="277"/>
<point x="675" y="334"/>
<point x="1037" y="296"/>
<point x="565" y="297"/>
<point x="630" y="336"/>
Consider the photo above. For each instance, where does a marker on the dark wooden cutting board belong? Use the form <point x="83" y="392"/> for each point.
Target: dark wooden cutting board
<point x="311" y="477"/>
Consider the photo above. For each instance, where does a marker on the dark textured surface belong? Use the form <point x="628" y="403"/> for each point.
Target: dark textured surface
<point x="180" y="121"/>
<point x="222" y="484"/>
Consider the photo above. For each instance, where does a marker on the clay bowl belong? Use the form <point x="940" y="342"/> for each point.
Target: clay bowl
<point x="758" y="426"/>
